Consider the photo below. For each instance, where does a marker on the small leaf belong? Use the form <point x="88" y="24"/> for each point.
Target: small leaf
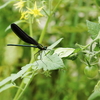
<point x="13" y="77"/>
<point x="49" y="62"/>
<point x="93" y="29"/>
<point x="7" y="86"/>
<point x="54" y="44"/>
<point x="64" y="52"/>
<point x="81" y="47"/>
<point x="21" y="72"/>
<point x="5" y="81"/>
<point x="95" y="96"/>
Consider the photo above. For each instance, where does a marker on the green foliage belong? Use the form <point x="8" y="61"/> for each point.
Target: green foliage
<point x="49" y="62"/>
<point x="95" y="96"/>
<point x="93" y="29"/>
<point x="65" y="64"/>
<point x="45" y="64"/>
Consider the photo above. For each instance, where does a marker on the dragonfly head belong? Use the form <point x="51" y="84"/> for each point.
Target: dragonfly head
<point x="42" y="47"/>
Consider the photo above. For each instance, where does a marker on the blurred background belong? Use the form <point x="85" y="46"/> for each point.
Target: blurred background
<point x="68" y="22"/>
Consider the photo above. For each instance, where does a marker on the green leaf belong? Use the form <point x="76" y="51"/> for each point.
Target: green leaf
<point x="21" y="72"/>
<point x="50" y="48"/>
<point x="7" y="86"/>
<point x="54" y="44"/>
<point x="49" y="62"/>
<point x="10" y="1"/>
<point x="95" y="96"/>
<point x="27" y="74"/>
<point x="5" y="81"/>
<point x="93" y="29"/>
<point x="13" y="77"/>
<point x="64" y="52"/>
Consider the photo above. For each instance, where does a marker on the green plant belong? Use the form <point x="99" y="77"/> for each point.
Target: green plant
<point x="27" y="72"/>
<point x="89" y="52"/>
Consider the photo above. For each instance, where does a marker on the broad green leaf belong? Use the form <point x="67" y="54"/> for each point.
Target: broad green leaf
<point x="64" y="52"/>
<point x="8" y="2"/>
<point x="49" y="62"/>
<point x="93" y="29"/>
<point x="49" y="48"/>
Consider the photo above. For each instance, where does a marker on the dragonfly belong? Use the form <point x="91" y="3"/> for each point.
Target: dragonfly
<point x="26" y="38"/>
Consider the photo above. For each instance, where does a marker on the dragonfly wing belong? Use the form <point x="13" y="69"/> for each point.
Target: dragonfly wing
<point x="22" y="35"/>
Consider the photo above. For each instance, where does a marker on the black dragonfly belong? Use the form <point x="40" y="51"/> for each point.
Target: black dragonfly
<point x="23" y="36"/>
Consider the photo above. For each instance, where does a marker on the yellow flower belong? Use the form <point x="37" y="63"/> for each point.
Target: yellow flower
<point x="20" y="5"/>
<point x="24" y="15"/>
<point x="35" y="11"/>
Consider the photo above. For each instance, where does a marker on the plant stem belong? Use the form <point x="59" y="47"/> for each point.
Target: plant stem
<point x="50" y="15"/>
<point x="31" y="32"/>
<point x="23" y="86"/>
<point x="44" y="31"/>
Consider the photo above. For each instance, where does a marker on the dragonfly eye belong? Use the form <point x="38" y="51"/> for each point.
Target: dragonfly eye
<point x="44" y="48"/>
<point x="41" y="47"/>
